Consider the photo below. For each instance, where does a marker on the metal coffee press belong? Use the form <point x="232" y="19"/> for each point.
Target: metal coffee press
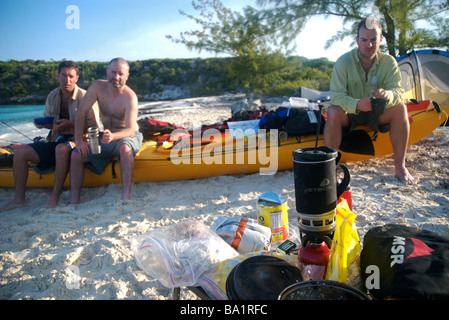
<point x="94" y="140"/>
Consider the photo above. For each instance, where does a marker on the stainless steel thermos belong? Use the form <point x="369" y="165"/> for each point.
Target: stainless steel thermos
<point x="94" y="140"/>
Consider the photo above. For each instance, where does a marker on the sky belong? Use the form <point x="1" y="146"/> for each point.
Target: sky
<point x="99" y="30"/>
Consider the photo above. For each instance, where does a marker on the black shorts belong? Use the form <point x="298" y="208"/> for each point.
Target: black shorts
<point x="46" y="153"/>
<point x="365" y="118"/>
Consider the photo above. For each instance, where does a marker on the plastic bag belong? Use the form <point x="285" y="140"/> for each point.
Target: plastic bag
<point x="178" y="254"/>
<point x="344" y="259"/>
<point x="243" y="235"/>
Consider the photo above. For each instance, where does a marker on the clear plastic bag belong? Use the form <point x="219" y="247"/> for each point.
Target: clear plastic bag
<point x="178" y="254"/>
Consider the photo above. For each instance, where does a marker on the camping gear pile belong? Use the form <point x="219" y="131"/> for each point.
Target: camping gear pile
<point x="238" y="259"/>
<point x="394" y="262"/>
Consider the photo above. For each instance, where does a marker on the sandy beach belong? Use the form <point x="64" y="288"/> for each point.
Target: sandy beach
<point x="41" y="248"/>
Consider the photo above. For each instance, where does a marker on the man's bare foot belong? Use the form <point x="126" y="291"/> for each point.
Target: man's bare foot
<point x="51" y="203"/>
<point x="126" y="195"/>
<point x="404" y="176"/>
<point x="13" y="204"/>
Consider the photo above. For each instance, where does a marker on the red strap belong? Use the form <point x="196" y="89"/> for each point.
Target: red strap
<point x="239" y="233"/>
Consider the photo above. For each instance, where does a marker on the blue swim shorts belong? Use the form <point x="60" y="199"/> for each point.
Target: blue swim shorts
<point x="98" y="162"/>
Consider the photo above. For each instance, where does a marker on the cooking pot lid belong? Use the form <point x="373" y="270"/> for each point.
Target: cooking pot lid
<point x="261" y="278"/>
<point x="315" y="154"/>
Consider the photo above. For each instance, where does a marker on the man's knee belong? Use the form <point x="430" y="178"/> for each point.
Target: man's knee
<point x="397" y="113"/>
<point x="125" y="149"/>
<point x="76" y="157"/>
<point x="335" y="113"/>
<point x="400" y="108"/>
<point x="337" y="116"/>
<point x="62" y="150"/>
<point x="26" y="153"/>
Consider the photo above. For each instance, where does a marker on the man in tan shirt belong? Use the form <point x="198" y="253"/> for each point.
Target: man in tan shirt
<point x="62" y="104"/>
<point x="121" y="138"/>
<point x="358" y="75"/>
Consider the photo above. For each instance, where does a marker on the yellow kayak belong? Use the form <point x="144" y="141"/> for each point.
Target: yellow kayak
<point x="215" y="153"/>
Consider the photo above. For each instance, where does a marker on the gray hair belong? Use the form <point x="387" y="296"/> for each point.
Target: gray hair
<point x="120" y="61"/>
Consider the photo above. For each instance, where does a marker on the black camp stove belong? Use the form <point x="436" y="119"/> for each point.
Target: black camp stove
<point x="317" y="228"/>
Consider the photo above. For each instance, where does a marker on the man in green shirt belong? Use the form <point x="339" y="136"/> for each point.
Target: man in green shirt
<point x="358" y="76"/>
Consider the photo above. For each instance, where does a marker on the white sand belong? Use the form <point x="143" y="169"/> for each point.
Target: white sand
<point x="41" y="248"/>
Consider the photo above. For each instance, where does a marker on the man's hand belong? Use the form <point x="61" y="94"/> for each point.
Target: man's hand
<point x="107" y="136"/>
<point x="381" y="93"/>
<point x="364" y="105"/>
<point x="83" y="148"/>
<point x="61" y="124"/>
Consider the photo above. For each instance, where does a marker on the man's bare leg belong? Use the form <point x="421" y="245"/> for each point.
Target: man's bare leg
<point x="20" y="166"/>
<point x="76" y="176"/>
<point x="336" y="120"/>
<point x="126" y="169"/>
<point x="399" y="133"/>
<point x="62" y="154"/>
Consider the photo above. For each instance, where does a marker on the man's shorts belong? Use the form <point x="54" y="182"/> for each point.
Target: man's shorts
<point x="365" y="118"/>
<point x="46" y="153"/>
<point x="98" y="162"/>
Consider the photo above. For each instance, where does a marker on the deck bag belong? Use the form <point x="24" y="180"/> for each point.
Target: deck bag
<point x="399" y="262"/>
<point x="294" y="121"/>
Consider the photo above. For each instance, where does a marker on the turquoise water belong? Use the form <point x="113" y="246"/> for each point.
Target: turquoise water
<point x="20" y="114"/>
<point x="16" y="123"/>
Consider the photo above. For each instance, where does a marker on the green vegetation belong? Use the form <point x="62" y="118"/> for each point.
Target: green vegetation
<point x="30" y="81"/>
<point x="406" y="24"/>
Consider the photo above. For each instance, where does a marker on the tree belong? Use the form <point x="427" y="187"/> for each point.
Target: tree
<point x="224" y="31"/>
<point x="241" y="36"/>
<point x="401" y="19"/>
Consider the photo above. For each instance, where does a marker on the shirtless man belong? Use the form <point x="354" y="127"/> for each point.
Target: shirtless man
<point x="118" y="108"/>
<point x="358" y="75"/>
